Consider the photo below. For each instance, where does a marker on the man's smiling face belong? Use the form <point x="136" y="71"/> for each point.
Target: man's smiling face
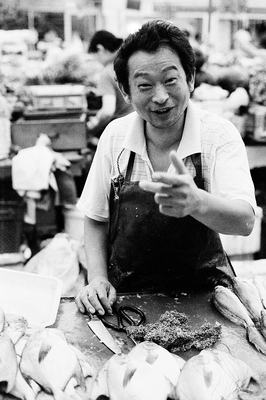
<point x="159" y="90"/>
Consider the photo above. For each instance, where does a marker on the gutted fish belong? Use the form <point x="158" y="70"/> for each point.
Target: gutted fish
<point x="262" y="326"/>
<point x="88" y="370"/>
<point x="213" y="375"/>
<point x="256" y="338"/>
<point x="8" y="363"/>
<point x="130" y="378"/>
<point x="231" y="307"/>
<point x="233" y="366"/>
<point x="260" y="283"/>
<point x="247" y="292"/>
<point x="49" y="361"/>
<point x="74" y="391"/>
<point x="22" y="389"/>
<point x="100" y="387"/>
<point x="2" y="319"/>
<point x="159" y="358"/>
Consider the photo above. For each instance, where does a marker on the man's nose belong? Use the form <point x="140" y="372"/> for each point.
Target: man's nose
<point x="160" y="94"/>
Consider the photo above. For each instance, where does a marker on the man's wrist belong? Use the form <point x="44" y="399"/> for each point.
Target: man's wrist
<point x="97" y="277"/>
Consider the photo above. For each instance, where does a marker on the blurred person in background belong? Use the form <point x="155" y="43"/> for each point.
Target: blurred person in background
<point x="104" y="46"/>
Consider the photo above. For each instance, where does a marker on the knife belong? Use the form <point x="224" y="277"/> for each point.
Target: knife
<point x="98" y="328"/>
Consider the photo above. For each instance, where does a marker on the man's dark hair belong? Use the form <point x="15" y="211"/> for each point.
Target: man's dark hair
<point x="106" y="39"/>
<point x="149" y="38"/>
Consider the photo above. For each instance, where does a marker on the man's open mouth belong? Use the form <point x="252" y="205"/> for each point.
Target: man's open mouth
<point x="162" y="111"/>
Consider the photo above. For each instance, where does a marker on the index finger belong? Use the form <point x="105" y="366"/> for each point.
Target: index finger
<point x="178" y="163"/>
<point x="101" y="303"/>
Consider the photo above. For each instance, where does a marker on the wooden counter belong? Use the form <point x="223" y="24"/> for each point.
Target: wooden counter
<point x="198" y="308"/>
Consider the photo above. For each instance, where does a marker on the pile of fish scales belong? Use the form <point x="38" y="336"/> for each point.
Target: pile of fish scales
<point x="40" y="364"/>
<point x="151" y="372"/>
<point x="244" y="303"/>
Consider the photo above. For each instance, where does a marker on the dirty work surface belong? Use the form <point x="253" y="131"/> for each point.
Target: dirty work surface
<point x="197" y="306"/>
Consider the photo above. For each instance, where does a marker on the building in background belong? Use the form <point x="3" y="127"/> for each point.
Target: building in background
<point x="214" y="21"/>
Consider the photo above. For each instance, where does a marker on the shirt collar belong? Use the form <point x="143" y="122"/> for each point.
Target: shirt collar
<point x="135" y="138"/>
<point x="190" y="142"/>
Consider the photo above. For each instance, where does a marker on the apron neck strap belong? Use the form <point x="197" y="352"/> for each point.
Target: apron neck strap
<point x="130" y="166"/>
<point x="196" y="159"/>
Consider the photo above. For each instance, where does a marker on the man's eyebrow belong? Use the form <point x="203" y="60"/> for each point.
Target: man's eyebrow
<point x="169" y="68"/>
<point x="141" y="74"/>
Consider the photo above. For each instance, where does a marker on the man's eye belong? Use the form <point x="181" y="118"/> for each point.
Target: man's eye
<point x="171" y="81"/>
<point x="144" y="86"/>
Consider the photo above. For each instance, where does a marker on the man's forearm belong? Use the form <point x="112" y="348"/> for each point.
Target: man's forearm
<point x="95" y="243"/>
<point x="231" y="217"/>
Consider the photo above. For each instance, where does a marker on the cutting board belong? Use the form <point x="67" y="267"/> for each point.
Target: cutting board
<point x="197" y="306"/>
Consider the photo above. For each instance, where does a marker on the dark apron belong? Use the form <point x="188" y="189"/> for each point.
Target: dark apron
<point x="151" y="252"/>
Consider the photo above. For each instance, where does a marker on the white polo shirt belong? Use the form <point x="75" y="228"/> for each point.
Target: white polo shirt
<point x="224" y="160"/>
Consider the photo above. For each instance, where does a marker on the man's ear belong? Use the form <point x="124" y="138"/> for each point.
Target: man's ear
<point x="126" y="96"/>
<point x="100" y="48"/>
<point x="191" y="83"/>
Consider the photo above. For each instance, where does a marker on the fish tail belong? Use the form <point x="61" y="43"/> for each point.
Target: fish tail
<point x="256" y="338"/>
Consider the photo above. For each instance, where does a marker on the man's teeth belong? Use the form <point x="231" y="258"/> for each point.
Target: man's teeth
<point x="162" y="111"/>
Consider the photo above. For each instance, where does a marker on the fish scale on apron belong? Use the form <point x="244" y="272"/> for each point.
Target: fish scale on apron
<point x="151" y="252"/>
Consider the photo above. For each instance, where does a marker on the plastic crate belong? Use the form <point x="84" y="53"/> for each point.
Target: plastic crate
<point x="11" y="223"/>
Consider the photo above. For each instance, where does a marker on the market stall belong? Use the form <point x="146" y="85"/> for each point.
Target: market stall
<point x="53" y="96"/>
<point x="228" y="323"/>
<point x="201" y="327"/>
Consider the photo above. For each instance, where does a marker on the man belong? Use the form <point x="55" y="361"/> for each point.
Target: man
<point x="104" y="46"/>
<point x="178" y="177"/>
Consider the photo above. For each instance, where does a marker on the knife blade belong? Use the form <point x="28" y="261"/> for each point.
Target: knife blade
<point x="98" y="328"/>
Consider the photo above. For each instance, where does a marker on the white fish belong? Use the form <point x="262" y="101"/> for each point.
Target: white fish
<point x="262" y="326"/>
<point x="247" y="292"/>
<point x="260" y="284"/>
<point x="231" y="307"/>
<point x="21" y="388"/>
<point x="159" y="358"/>
<point x="8" y="363"/>
<point x="74" y="390"/>
<point x="88" y="371"/>
<point x="87" y="367"/>
<point x="2" y="319"/>
<point x="49" y="361"/>
<point x="100" y="386"/>
<point x="213" y="375"/>
<point x="257" y="339"/>
<point x="237" y="369"/>
<point x="130" y="378"/>
<point x="179" y="361"/>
